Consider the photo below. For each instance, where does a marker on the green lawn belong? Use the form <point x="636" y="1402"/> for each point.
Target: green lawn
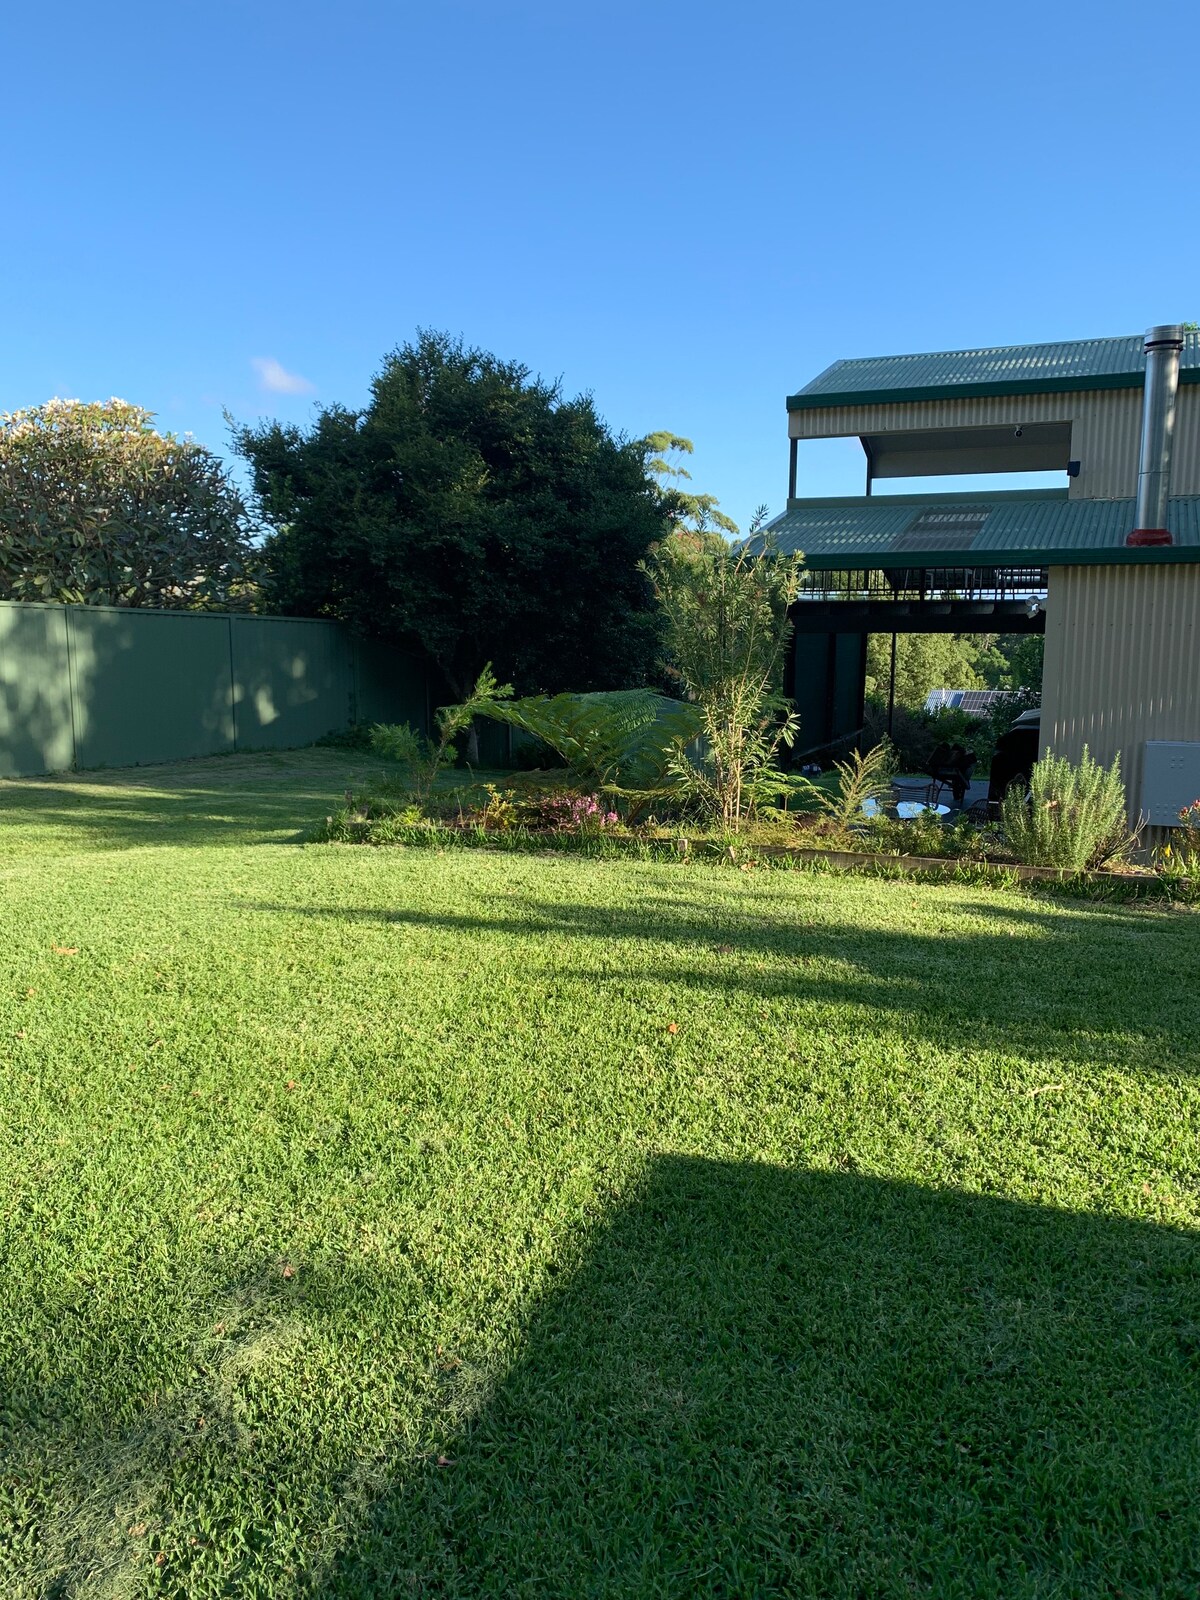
<point x="392" y="1222"/>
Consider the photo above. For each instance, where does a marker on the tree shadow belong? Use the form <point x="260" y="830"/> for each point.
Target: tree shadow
<point x="230" y="799"/>
<point x="1044" y="983"/>
<point x="770" y="1382"/>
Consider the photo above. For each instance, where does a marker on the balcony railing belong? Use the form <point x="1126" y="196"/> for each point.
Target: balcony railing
<point x="977" y="584"/>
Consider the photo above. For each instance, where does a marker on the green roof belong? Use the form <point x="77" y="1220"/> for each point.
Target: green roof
<point x="1007" y="369"/>
<point x="1024" y="527"/>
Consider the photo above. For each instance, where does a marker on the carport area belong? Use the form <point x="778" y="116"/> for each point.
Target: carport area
<point x="1107" y="564"/>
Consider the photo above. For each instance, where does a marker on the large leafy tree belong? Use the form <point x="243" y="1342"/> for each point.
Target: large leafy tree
<point x="470" y="511"/>
<point x="97" y="507"/>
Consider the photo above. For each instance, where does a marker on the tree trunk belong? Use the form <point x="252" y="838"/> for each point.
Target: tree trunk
<point x="473" y="745"/>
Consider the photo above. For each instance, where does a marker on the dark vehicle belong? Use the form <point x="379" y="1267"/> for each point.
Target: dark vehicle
<point x="1016" y="751"/>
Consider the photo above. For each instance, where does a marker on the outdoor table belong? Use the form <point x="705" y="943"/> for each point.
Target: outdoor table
<point x="906" y="810"/>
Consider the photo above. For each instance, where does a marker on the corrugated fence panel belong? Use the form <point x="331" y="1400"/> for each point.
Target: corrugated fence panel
<point x="96" y="686"/>
<point x="293" y="681"/>
<point x="1122" y="662"/>
<point x="36" y="733"/>
<point x="148" y="685"/>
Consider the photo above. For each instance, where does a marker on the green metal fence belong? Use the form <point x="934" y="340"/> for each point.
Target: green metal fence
<point x="102" y="686"/>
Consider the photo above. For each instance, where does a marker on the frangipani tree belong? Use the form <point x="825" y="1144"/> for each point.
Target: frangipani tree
<point x="97" y="507"/>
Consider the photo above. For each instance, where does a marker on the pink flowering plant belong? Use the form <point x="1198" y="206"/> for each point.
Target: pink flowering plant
<point x="567" y="812"/>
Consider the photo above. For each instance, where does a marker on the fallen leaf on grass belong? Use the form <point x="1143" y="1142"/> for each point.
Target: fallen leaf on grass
<point x="65" y="949"/>
<point x="445" y="1461"/>
<point x="672" y="1027"/>
<point x="289" y="1272"/>
<point x="1045" y="1088"/>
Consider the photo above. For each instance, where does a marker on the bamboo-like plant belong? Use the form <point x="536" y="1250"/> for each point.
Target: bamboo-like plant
<point x="861" y="778"/>
<point x="725" y="612"/>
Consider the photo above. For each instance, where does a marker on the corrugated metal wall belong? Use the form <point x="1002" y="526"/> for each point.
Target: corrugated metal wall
<point x="1106" y="427"/>
<point x="1122" y="662"/>
<point x="92" y="686"/>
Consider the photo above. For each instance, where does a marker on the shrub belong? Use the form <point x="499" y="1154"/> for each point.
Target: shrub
<point x="623" y="739"/>
<point x="1178" y="863"/>
<point x="860" y="778"/>
<point x="726" y="628"/>
<point x="916" y="733"/>
<point x="421" y="759"/>
<point x="1005" y="711"/>
<point x="1073" y="817"/>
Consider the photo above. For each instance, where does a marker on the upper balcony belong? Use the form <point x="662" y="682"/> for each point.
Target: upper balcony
<point x="1072" y="407"/>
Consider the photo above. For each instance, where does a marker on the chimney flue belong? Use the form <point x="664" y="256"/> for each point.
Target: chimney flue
<point x="1163" y="347"/>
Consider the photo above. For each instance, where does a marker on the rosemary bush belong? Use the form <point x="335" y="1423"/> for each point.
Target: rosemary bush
<point x="1073" y="817"/>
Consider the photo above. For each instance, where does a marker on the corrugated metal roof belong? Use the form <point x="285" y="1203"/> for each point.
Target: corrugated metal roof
<point x="1006" y="369"/>
<point x="1018" y="528"/>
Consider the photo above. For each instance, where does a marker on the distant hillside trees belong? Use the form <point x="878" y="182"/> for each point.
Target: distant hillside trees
<point x="926" y="661"/>
<point x="97" y="507"/>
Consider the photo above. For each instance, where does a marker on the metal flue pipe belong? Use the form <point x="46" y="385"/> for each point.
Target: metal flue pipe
<point x="1163" y="347"/>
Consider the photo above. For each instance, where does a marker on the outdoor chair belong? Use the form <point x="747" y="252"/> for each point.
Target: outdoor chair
<point x="951" y="767"/>
<point x="912" y="789"/>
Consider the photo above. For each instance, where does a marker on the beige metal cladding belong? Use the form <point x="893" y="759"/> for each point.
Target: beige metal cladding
<point x="1106" y="426"/>
<point x="1122" y="662"/>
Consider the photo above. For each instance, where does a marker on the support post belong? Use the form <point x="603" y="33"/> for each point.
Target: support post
<point x="830" y="685"/>
<point x="862" y="687"/>
<point x="792" y="443"/>
<point x="892" y="688"/>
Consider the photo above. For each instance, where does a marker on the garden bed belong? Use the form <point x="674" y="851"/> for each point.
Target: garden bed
<point x="745" y="852"/>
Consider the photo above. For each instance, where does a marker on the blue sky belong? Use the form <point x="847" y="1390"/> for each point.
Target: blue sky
<point x="687" y="209"/>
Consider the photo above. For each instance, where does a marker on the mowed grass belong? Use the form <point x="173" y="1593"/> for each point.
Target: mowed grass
<point x="391" y="1222"/>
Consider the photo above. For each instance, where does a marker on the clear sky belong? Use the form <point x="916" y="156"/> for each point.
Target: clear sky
<point x="688" y="209"/>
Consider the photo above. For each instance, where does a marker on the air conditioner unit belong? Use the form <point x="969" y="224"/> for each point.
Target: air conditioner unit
<point x="1170" y="780"/>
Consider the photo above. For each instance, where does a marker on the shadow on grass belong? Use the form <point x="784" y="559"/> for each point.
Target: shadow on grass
<point x="756" y="1381"/>
<point x="127" y="817"/>
<point x="765" y="1382"/>
<point x="1040" y="983"/>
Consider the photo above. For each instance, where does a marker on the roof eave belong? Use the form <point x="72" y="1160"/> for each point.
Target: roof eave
<point x="805" y="401"/>
<point x="1108" y="556"/>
